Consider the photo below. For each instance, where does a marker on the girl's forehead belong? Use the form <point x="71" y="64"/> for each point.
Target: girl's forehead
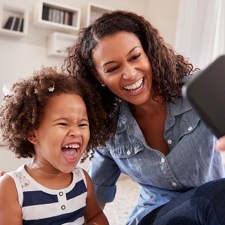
<point x="64" y="99"/>
<point x="65" y="104"/>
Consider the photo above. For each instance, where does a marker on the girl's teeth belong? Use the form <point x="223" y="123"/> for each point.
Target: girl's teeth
<point x="72" y="146"/>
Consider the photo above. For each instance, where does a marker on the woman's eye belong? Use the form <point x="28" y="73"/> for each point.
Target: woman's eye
<point x="112" y="69"/>
<point x="134" y="57"/>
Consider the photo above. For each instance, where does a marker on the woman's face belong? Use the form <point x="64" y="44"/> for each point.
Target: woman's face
<point x="123" y="67"/>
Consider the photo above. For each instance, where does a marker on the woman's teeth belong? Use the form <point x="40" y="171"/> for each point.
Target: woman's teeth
<point x="136" y="86"/>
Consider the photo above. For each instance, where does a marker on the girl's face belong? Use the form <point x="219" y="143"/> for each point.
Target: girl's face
<point x="63" y="134"/>
<point x="123" y="66"/>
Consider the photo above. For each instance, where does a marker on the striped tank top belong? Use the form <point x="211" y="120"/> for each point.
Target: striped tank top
<point x="44" y="206"/>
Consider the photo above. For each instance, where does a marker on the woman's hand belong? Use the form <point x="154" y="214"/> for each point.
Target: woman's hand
<point x="220" y="145"/>
<point x="2" y="173"/>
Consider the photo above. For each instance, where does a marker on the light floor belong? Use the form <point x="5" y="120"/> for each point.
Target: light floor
<point x="118" y="211"/>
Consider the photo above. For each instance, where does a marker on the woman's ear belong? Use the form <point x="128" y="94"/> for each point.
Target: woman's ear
<point x="32" y="138"/>
<point x="100" y="80"/>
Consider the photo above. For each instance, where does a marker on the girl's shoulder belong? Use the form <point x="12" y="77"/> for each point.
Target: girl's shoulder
<point x="6" y="182"/>
<point x="80" y="174"/>
<point x="8" y="190"/>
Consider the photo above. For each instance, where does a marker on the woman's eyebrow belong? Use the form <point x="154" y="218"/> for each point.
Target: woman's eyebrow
<point x="105" y="64"/>
<point x="127" y="55"/>
<point x="132" y="49"/>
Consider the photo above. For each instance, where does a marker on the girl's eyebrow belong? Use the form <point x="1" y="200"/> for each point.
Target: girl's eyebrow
<point x="85" y="120"/>
<point x="127" y="55"/>
<point x="59" y="119"/>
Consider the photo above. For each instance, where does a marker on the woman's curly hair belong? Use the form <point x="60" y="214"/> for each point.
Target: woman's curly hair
<point x="168" y="68"/>
<point x="22" y="109"/>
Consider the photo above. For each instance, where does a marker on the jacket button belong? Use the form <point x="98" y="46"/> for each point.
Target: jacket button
<point x="190" y="128"/>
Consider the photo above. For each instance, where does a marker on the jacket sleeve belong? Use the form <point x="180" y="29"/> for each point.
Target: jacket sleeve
<point x="104" y="173"/>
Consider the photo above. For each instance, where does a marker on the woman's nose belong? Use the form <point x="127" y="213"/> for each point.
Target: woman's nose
<point x="129" y="72"/>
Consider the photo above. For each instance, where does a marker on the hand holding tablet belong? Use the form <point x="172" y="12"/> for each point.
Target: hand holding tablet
<point x="206" y="93"/>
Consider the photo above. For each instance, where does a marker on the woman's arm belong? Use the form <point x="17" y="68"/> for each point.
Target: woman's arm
<point x="10" y="210"/>
<point x="94" y="214"/>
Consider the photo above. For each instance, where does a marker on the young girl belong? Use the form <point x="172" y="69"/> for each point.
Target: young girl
<point x="45" y="117"/>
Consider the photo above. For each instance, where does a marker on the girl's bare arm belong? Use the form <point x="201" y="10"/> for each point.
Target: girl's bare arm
<point x="10" y="210"/>
<point x="94" y="214"/>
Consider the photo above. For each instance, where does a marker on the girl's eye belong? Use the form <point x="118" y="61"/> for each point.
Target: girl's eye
<point x="62" y="124"/>
<point x="83" y="125"/>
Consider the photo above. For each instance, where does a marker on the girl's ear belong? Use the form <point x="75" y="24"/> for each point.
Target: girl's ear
<point x="32" y="138"/>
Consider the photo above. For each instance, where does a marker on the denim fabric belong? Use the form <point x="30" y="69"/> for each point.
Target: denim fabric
<point x="191" y="162"/>
<point x="203" y="205"/>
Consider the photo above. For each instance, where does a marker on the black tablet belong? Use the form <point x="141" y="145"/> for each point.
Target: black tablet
<point x="206" y="93"/>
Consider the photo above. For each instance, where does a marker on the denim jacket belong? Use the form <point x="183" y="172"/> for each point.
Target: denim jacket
<point x="192" y="159"/>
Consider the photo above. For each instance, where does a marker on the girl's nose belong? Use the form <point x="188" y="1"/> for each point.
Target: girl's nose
<point x="74" y="131"/>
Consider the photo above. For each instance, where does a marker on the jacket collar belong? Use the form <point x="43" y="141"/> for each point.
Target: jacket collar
<point x="126" y="120"/>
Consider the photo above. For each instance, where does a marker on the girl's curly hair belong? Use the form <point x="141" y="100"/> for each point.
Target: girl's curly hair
<point x="22" y="109"/>
<point x="168" y="68"/>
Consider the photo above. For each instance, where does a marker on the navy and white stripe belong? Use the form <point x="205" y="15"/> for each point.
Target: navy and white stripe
<point x="41" y="205"/>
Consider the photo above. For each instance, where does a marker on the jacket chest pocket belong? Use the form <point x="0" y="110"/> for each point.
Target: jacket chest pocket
<point x="188" y="125"/>
<point x="126" y="150"/>
<point x="129" y="158"/>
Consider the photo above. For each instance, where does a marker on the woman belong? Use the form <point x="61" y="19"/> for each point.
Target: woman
<point x="156" y="137"/>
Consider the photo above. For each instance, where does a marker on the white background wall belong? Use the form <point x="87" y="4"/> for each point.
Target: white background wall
<point x="20" y="56"/>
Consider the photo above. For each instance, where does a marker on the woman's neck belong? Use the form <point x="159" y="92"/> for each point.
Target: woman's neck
<point x="151" y="107"/>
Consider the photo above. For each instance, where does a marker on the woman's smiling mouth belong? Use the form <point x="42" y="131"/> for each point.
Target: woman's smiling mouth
<point x="136" y="87"/>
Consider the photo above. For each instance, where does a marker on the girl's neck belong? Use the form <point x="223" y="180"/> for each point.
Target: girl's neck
<point x="49" y="177"/>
